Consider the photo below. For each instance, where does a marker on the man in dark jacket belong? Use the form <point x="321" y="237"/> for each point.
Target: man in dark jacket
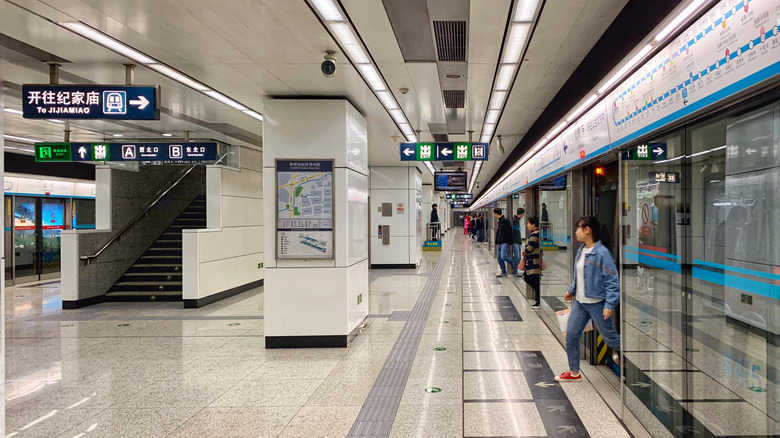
<point x="503" y="240"/>
<point x="517" y="239"/>
<point x="480" y="226"/>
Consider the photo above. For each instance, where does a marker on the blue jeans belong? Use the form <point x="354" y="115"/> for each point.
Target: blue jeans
<point x="504" y="257"/>
<point x="578" y="319"/>
<point x="479" y="235"/>
<point x="517" y="254"/>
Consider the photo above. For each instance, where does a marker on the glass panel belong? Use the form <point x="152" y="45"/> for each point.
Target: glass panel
<point x="555" y="223"/>
<point x="52" y="224"/>
<point x="24" y="237"/>
<point x="652" y="286"/>
<point x="8" y="237"/>
<point x="735" y="257"/>
<point x="83" y="214"/>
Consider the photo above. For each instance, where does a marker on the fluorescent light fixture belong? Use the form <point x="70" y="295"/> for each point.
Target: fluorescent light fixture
<point x="55" y="120"/>
<point x="582" y="108"/>
<point x="226" y="100"/>
<point x="492" y="116"/>
<point x="398" y="116"/>
<point x="117" y="135"/>
<point x="487" y="129"/>
<point x="178" y="76"/>
<point x="430" y="167"/>
<point x="505" y="75"/>
<point x="485" y="138"/>
<point x="514" y="44"/>
<point x="13" y="111"/>
<point x="679" y="19"/>
<point x="167" y="135"/>
<point x="254" y="114"/>
<point x="350" y="43"/>
<point x="387" y="99"/>
<point x="525" y="10"/>
<point x="406" y="129"/>
<point x="412" y="139"/>
<point x="708" y="151"/>
<point x="628" y="66"/>
<point x="497" y="101"/>
<point x="557" y="129"/>
<point x="17" y="138"/>
<point x="106" y="41"/>
<point x="371" y="76"/>
<point x="327" y="10"/>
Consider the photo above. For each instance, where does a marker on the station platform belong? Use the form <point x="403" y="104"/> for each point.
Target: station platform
<point x="471" y="359"/>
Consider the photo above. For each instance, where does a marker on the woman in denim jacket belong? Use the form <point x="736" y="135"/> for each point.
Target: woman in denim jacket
<point x="596" y="288"/>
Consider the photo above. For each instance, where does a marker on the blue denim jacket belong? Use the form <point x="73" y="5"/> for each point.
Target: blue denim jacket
<point x="601" y="276"/>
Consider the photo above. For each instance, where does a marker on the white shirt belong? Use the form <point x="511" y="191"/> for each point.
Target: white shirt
<point x="580" y="266"/>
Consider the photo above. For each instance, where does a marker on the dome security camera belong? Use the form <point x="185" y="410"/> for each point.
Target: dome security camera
<point x="328" y="67"/>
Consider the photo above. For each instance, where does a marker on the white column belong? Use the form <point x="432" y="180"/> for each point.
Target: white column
<point x="3" y="261"/>
<point x="317" y="302"/>
<point x="400" y="189"/>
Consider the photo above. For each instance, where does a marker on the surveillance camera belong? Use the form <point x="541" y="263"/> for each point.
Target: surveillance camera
<point x="328" y="67"/>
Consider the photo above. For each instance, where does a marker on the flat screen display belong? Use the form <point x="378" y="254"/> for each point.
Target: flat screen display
<point x="450" y="181"/>
<point x="558" y="183"/>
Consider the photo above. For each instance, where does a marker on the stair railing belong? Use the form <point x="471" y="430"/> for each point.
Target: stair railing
<point x="157" y="198"/>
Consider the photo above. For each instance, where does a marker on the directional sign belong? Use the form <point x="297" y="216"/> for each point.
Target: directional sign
<point x="123" y="102"/>
<point x="650" y="151"/>
<point x="460" y="195"/>
<point x="667" y="177"/>
<point x="444" y="151"/>
<point x="168" y="153"/>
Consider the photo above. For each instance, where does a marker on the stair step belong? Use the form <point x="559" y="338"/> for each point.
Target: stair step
<point x="147" y="283"/>
<point x="144" y="293"/>
<point x="166" y="249"/>
<point x="160" y="257"/>
<point x="156" y="265"/>
<point x="168" y="241"/>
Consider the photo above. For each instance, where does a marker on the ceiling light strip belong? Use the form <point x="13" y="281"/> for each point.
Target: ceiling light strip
<point x="336" y="20"/>
<point x="125" y="50"/>
<point x="669" y="29"/>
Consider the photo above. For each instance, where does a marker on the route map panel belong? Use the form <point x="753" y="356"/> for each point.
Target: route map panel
<point x="304" y="212"/>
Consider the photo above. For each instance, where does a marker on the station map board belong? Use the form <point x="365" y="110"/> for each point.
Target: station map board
<point x="304" y="212"/>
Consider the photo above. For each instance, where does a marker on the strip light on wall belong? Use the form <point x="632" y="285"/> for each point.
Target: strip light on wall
<point x="668" y="30"/>
<point x="337" y="22"/>
<point x="123" y="49"/>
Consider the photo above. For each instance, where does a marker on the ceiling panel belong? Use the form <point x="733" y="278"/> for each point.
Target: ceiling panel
<point x="425" y="77"/>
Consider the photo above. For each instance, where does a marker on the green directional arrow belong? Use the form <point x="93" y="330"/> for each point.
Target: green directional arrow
<point x="432" y="390"/>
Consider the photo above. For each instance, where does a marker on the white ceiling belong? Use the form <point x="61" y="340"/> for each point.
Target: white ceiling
<point x="252" y="50"/>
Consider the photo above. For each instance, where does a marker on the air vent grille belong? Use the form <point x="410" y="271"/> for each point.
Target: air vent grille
<point x="440" y="138"/>
<point x="450" y="40"/>
<point x="454" y="98"/>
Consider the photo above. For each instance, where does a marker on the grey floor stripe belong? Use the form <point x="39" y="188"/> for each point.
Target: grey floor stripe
<point x="377" y="415"/>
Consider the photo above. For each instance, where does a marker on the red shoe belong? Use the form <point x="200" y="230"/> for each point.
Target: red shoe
<point x="567" y="377"/>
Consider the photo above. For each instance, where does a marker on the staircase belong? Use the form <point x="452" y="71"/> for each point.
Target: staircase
<point x="157" y="274"/>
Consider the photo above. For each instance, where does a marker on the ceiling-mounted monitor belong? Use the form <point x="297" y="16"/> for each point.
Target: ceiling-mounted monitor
<point x="450" y="181"/>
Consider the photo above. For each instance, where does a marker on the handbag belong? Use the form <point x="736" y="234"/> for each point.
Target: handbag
<point x="563" y="321"/>
<point x="543" y="265"/>
<point x="521" y="266"/>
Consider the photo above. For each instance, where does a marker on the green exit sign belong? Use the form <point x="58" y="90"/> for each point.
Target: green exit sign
<point x="52" y="152"/>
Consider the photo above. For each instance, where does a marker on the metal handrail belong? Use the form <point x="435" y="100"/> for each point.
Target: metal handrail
<point x="158" y="197"/>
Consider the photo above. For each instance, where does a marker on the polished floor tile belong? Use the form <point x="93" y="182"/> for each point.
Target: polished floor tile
<point x="502" y="419"/>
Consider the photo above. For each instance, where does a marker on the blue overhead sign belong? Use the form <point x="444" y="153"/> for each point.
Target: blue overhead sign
<point x="444" y="151"/>
<point x="168" y="153"/>
<point x="119" y="102"/>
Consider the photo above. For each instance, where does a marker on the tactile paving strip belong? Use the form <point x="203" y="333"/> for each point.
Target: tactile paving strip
<point x="377" y="415"/>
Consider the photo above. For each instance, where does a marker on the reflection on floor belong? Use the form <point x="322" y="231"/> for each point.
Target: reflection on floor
<point x="157" y="370"/>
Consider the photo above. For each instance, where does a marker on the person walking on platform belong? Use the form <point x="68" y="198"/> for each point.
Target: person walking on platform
<point x="517" y="239"/>
<point x="503" y="241"/>
<point x="595" y="289"/>
<point x="435" y="221"/>
<point x="466" y="223"/>
<point x="479" y="227"/>
<point x="532" y="259"/>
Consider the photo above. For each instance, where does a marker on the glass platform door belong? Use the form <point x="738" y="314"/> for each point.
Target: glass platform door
<point x="25" y="237"/>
